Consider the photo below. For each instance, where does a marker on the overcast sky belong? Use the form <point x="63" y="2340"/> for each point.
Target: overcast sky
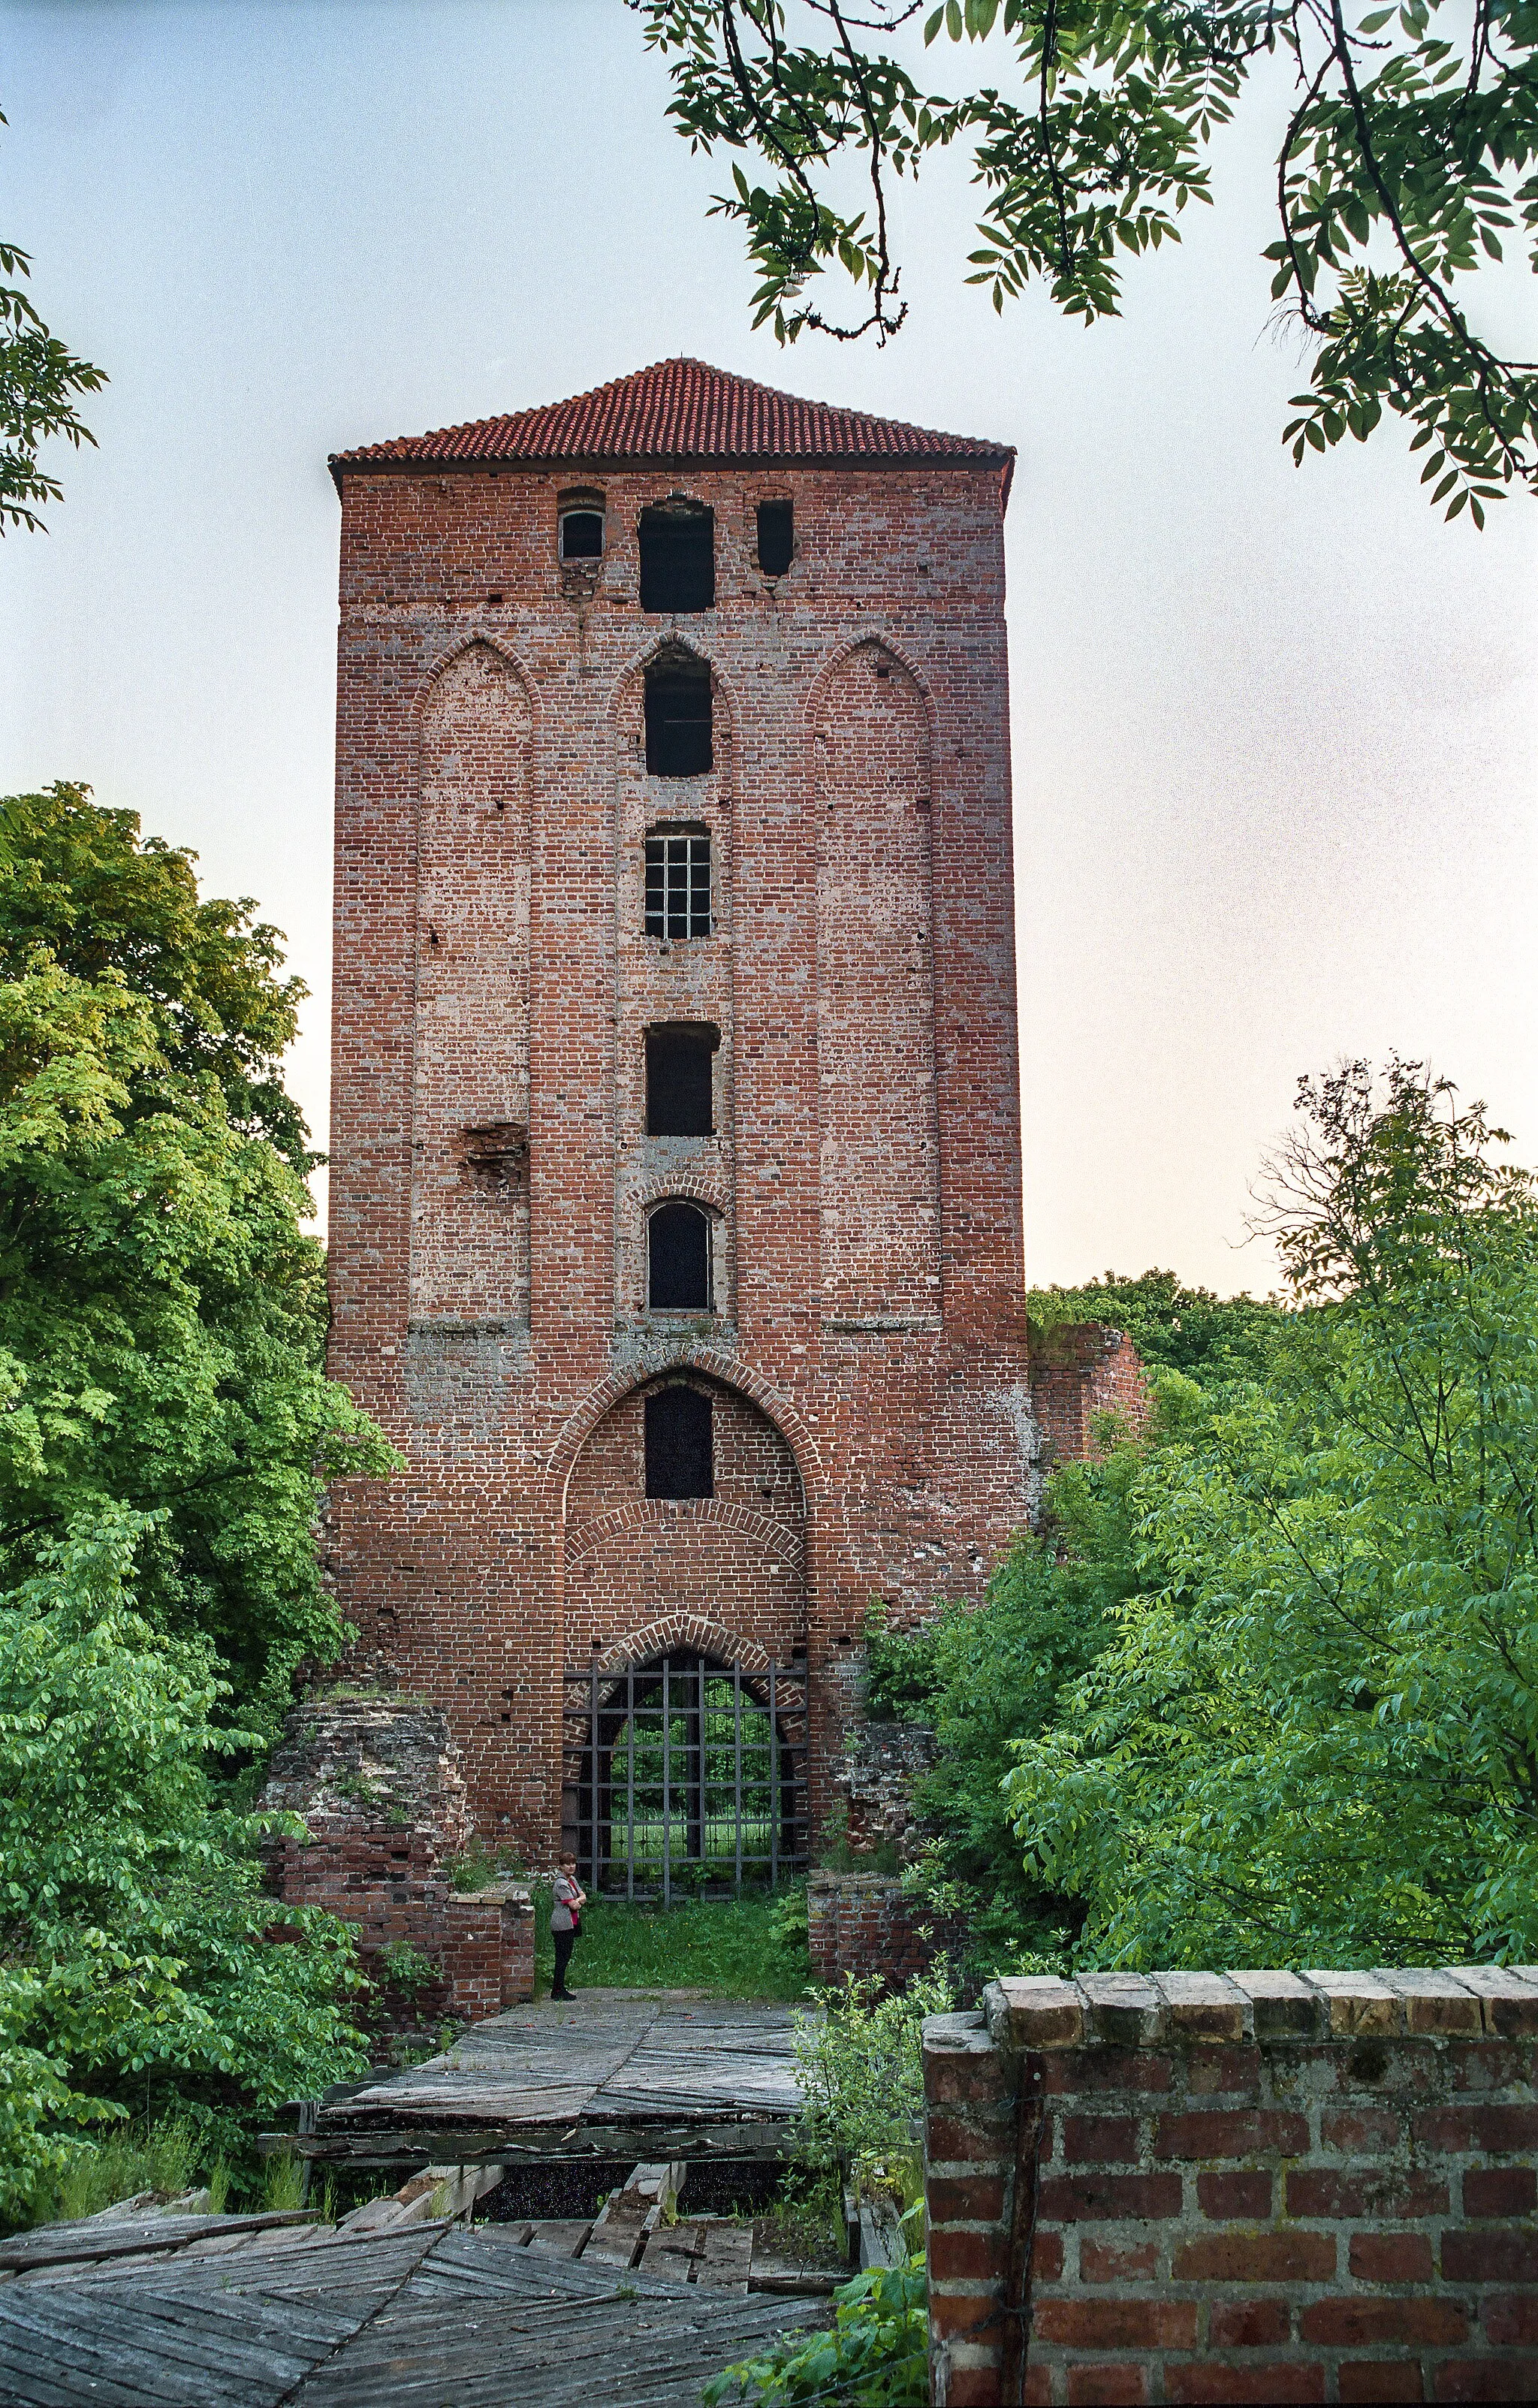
<point x="1274" y="729"/>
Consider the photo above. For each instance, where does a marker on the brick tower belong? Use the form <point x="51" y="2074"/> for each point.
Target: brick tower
<point x="675" y="1201"/>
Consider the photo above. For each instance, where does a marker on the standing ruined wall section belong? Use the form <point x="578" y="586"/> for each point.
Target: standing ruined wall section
<point x="1246" y="2186"/>
<point x="377" y="1782"/>
<point x="1078" y="1373"/>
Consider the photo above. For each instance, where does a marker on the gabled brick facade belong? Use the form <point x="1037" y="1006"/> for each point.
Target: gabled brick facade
<point x="866" y="1349"/>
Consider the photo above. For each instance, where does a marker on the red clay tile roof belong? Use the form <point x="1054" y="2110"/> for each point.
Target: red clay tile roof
<point x="680" y="409"/>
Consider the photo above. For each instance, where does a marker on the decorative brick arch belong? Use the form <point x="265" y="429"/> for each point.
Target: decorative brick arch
<point x="456" y="651"/>
<point x="875" y="639"/>
<point x="764" y="1529"/>
<point x="685" y="1187"/>
<point x="732" y="1373"/>
<point x="673" y="1630"/>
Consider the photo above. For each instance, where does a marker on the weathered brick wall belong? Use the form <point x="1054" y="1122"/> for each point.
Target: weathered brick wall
<point x="866" y="1924"/>
<point x="379" y="1785"/>
<point x="1258" y="2187"/>
<point x="874" y="1785"/>
<point x="1078" y="1372"/>
<point x="490" y="1308"/>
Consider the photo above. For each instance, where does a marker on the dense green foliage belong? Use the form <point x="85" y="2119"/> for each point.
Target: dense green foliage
<point x="165" y="1429"/>
<point x="161" y="1314"/>
<point x="877" y="2355"/>
<point x="986" y="1680"/>
<point x="1406" y="165"/>
<point x="133" y="1962"/>
<point x="1267" y="1688"/>
<point x="1316" y="1733"/>
<point x="861" y="2070"/>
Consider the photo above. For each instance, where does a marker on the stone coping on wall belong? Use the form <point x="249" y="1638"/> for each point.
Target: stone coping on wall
<point x="1144" y="2010"/>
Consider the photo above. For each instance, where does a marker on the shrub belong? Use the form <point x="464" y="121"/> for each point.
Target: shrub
<point x="876" y="2357"/>
<point x="861" y="2070"/>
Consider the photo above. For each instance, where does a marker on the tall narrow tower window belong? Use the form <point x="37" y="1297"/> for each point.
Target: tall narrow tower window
<point x="677" y="1438"/>
<point x="679" y="720"/>
<point x="679" y="1259"/>
<point x="679" y="883"/>
<point x="582" y="535"/>
<point x="679" y="1102"/>
<point x="777" y="536"/>
<point x="679" y="557"/>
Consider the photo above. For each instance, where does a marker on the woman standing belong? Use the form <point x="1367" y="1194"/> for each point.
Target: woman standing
<point x="567" y="1922"/>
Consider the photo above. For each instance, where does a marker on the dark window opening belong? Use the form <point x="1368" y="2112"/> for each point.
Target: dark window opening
<point x="679" y="722"/>
<point x="679" y="1259"/>
<point x="678" y="1079"/>
<point x="678" y="558"/>
<point x="777" y="536"/>
<point x="677" y="1425"/>
<point x="678" y="883"/>
<point x="582" y="535"/>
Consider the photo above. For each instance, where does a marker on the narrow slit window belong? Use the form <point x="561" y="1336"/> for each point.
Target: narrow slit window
<point x="678" y="1444"/>
<point x="680" y="726"/>
<point x="679" y="1259"/>
<point x="678" y="558"/>
<point x="679" y="1078"/>
<point x="678" y="883"/>
<point x="582" y="535"/>
<point x="777" y="536"/>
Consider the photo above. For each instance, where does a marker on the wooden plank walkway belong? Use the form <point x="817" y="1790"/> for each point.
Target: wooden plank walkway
<point x="397" y="2319"/>
<point x="616" y="2073"/>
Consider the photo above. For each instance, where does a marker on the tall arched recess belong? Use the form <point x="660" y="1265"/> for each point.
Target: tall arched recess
<point x="685" y="1688"/>
<point x="470" y="1103"/>
<point x="879" y="1119"/>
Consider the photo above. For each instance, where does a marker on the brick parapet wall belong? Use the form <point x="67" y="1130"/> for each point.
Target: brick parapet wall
<point x="1259" y="2186"/>
<point x="866" y="1924"/>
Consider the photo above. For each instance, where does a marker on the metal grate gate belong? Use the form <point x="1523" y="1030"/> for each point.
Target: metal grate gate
<point x="682" y="1776"/>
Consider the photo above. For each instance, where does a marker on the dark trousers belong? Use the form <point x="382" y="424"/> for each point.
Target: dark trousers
<point x="564" y="1942"/>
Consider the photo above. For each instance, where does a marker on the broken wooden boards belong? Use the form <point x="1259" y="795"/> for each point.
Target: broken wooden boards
<point x="399" y="2320"/>
<point x="614" y="2076"/>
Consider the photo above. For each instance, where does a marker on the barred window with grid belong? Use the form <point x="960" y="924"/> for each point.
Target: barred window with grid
<point x="677" y="886"/>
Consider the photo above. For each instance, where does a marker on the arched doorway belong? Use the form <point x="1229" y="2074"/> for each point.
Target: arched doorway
<point x="685" y="1774"/>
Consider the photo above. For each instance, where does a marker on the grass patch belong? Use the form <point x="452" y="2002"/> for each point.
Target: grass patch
<point x="133" y="2157"/>
<point x="735" y="1948"/>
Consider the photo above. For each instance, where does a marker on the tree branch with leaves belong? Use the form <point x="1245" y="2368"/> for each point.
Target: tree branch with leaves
<point x="39" y="378"/>
<point x="1404" y="169"/>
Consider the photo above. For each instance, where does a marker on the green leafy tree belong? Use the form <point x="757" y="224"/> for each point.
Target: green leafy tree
<point x="985" y="1679"/>
<point x="163" y="1315"/>
<point x="1316" y="1735"/>
<point x="1406" y="166"/>
<point x="134" y="1961"/>
<point x="39" y="378"/>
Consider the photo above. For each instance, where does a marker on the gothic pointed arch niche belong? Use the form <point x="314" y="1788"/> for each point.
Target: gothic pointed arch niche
<point x="470" y="1082"/>
<point x="880" y="1170"/>
<point x="684" y="1693"/>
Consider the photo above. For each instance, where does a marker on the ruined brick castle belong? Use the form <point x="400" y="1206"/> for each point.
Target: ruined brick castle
<point x="675" y="1203"/>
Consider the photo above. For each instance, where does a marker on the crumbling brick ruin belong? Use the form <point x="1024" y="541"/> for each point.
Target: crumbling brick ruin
<point x="675" y="1188"/>
<point x="377" y="1782"/>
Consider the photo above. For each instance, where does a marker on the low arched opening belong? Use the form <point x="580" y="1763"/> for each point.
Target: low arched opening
<point x="685" y="1776"/>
